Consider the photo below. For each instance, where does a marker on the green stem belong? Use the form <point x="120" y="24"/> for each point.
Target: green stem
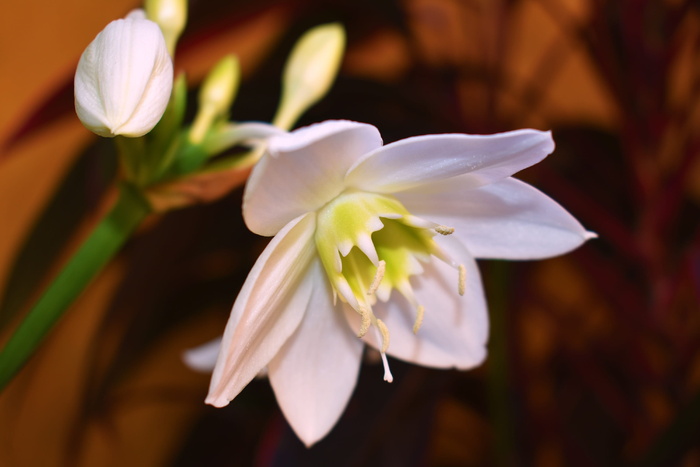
<point x="95" y="252"/>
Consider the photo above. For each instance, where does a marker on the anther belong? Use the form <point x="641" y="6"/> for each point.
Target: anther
<point x="444" y="230"/>
<point x="385" y="334"/>
<point x="366" y="317"/>
<point x="462" y="279"/>
<point x="378" y="276"/>
<point x="419" y="318"/>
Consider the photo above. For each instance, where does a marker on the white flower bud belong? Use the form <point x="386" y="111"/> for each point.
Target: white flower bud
<point x="310" y="71"/>
<point x="124" y="79"/>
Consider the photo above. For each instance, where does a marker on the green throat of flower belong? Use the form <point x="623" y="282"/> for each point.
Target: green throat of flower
<point x="370" y="244"/>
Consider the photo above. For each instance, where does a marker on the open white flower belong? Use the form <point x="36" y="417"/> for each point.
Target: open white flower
<point x="378" y="242"/>
<point x="124" y="78"/>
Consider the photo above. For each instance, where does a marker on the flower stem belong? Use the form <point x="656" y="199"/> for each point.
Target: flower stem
<point x="95" y="252"/>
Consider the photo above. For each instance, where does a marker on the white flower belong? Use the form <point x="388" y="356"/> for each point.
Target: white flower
<point x="124" y="79"/>
<point x="378" y="242"/>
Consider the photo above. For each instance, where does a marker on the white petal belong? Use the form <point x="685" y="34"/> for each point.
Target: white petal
<point x="315" y="372"/>
<point x="412" y="161"/>
<point x="203" y="358"/>
<point x="268" y="309"/>
<point x="508" y="219"/>
<point x="454" y="329"/>
<point x="124" y="79"/>
<point x="303" y="170"/>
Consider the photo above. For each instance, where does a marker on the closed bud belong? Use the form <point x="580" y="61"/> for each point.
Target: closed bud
<point x="171" y="16"/>
<point x="216" y="95"/>
<point x="310" y="71"/>
<point x="124" y="79"/>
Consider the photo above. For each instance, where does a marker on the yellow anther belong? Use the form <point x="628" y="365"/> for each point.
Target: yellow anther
<point x="444" y="230"/>
<point x="462" y="279"/>
<point x="366" y="317"/>
<point x="420" y="312"/>
<point x="378" y="276"/>
<point x="385" y="334"/>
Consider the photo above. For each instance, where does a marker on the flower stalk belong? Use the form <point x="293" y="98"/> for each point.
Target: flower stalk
<point x="93" y="255"/>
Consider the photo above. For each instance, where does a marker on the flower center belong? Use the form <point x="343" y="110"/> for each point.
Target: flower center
<point x="370" y="244"/>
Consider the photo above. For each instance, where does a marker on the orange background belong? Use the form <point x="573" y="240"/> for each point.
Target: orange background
<point x="566" y="331"/>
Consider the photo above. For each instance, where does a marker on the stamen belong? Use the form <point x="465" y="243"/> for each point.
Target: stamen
<point x="382" y="333"/>
<point x="385" y="334"/>
<point x="443" y="256"/>
<point x="366" y="317"/>
<point x="420" y="312"/>
<point x="415" y="221"/>
<point x="378" y="276"/>
<point x="462" y="279"/>
<point x="444" y="230"/>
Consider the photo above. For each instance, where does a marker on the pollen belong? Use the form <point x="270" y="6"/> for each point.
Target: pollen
<point x="366" y="317"/>
<point x="381" y="269"/>
<point x="420" y="312"/>
<point x="385" y="334"/>
<point x="444" y="230"/>
<point x="462" y="287"/>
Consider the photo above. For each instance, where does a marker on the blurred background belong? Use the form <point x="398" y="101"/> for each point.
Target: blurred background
<point x="594" y="357"/>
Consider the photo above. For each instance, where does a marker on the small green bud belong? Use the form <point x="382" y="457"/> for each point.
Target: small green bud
<point x="310" y="71"/>
<point x="171" y="16"/>
<point x="216" y="95"/>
